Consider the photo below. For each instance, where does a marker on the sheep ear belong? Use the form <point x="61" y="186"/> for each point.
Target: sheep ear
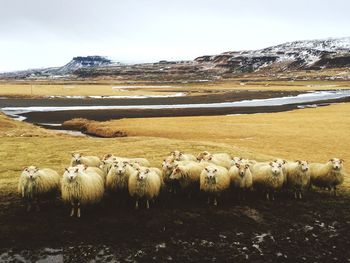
<point x="342" y="161"/>
<point x="271" y="163"/>
<point x="331" y="160"/>
<point x="211" y="157"/>
<point x="85" y="166"/>
<point x="66" y="169"/>
<point x="77" y="170"/>
<point x="72" y="154"/>
<point x="25" y="168"/>
<point x="181" y="153"/>
<point x="246" y="166"/>
<point x="147" y="170"/>
<point x="237" y="165"/>
<point x="284" y="161"/>
<point x="298" y="161"/>
<point x="215" y="170"/>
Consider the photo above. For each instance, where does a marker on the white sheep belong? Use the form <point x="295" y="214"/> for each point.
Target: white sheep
<point x="214" y="180"/>
<point x="144" y="183"/>
<point x="93" y="169"/>
<point x="241" y="178"/>
<point x="112" y="158"/>
<point x="118" y="176"/>
<point x="205" y="154"/>
<point x="180" y="156"/>
<point x="168" y="166"/>
<point x="328" y="175"/>
<point x="297" y="176"/>
<point x="220" y="160"/>
<point x="34" y="183"/>
<point x="80" y="187"/>
<point x="268" y="178"/>
<point x="78" y="158"/>
<point x="187" y="174"/>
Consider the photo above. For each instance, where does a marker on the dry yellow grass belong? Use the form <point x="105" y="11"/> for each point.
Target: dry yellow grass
<point x="38" y="89"/>
<point x="313" y="134"/>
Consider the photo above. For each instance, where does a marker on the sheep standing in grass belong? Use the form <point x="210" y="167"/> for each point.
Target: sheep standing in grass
<point x="118" y="177"/>
<point x="220" y="160"/>
<point x="92" y="169"/>
<point x="35" y="183"/>
<point x="328" y="175"/>
<point x="168" y="166"/>
<point x="241" y="178"/>
<point x="112" y="158"/>
<point x="144" y="183"/>
<point x="205" y="155"/>
<point x="180" y="156"/>
<point x="297" y="176"/>
<point x="214" y="180"/>
<point x="80" y="187"/>
<point x="268" y="178"/>
<point x="187" y="175"/>
<point x="78" y="158"/>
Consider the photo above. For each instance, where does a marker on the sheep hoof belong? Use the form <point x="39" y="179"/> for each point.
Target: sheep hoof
<point x="147" y="204"/>
<point x="72" y="212"/>
<point x="78" y="213"/>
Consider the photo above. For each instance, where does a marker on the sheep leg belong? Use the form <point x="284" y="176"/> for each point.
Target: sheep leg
<point x="137" y="204"/>
<point x="300" y="195"/>
<point x="72" y="210"/>
<point x="208" y="202"/>
<point x="335" y="191"/>
<point x="78" y="210"/>
<point x="147" y="204"/>
<point x="215" y="201"/>
<point x="267" y="196"/>
<point x="295" y="194"/>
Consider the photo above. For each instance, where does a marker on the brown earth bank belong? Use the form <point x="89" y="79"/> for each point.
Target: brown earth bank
<point x="176" y="229"/>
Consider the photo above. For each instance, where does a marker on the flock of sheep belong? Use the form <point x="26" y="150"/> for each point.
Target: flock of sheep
<point x="89" y="177"/>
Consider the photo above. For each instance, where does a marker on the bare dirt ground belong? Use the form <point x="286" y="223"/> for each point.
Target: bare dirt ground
<point x="316" y="229"/>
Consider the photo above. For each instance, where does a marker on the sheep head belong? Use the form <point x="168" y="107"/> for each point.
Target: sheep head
<point x="31" y="172"/>
<point x="337" y="164"/>
<point x="71" y="173"/>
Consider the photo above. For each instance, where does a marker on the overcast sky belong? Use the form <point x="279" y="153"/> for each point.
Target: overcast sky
<point x="42" y="33"/>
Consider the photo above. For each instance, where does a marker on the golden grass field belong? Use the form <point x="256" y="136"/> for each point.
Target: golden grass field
<point x="39" y="89"/>
<point x="315" y="134"/>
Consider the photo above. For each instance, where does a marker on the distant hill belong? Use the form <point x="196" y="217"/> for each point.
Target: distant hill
<point x="299" y="55"/>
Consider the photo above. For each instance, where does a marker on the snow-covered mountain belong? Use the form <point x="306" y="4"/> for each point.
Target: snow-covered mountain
<point x="309" y="54"/>
<point x="298" y="55"/>
<point x="75" y="64"/>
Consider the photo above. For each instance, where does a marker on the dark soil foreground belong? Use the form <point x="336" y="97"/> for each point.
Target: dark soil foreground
<point x="316" y="229"/>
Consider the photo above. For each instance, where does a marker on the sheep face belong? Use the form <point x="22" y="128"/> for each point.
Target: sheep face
<point x="280" y="161"/>
<point x="236" y="160"/>
<point x="71" y="173"/>
<point x="142" y="174"/>
<point x="176" y="154"/>
<point x="210" y="174"/>
<point x="303" y="165"/>
<point x="337" y="164"/>
<point x="168" y="164"/>
<point x="242" y="168"/>
<point x="31" y="172"/>
<point x="120" y="167"/>
<point x="76" y="157"/>
<point x="176" y="174"/>
<point x="276" y="168"/>
<point x="202" y="155"/>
